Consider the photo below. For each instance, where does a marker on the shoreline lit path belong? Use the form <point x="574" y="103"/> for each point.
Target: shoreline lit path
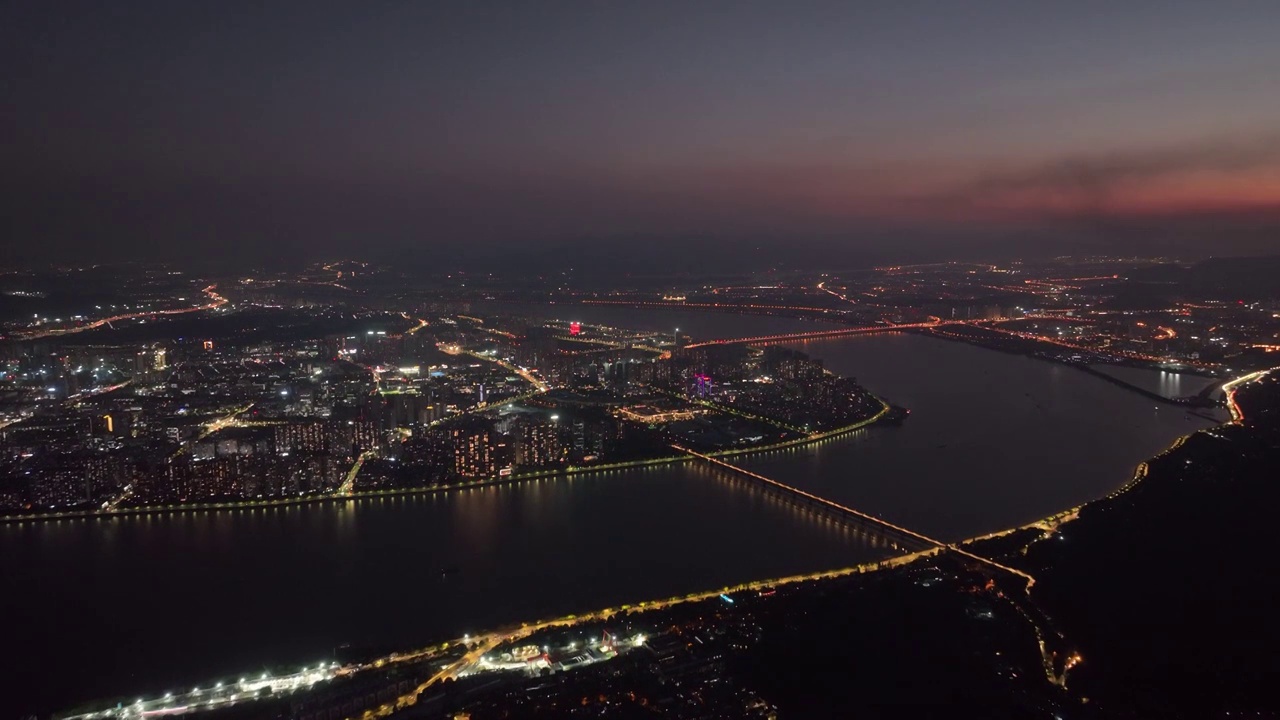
<point x="346" y="490"/>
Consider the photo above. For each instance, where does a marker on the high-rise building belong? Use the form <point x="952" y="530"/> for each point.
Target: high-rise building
<point x="538" y="443"/>
<point x="478" y="451"/>
<point x="301" y="437"/>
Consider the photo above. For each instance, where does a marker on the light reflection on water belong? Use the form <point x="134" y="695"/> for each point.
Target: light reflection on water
<point x="145" y="601"/>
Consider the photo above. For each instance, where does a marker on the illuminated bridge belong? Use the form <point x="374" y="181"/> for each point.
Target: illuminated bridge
<point x="886" y="528"/>
<point x="816" y="334"/>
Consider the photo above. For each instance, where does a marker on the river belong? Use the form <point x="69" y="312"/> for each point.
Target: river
<point x="993" y="440"/>
<point x="140" y="604"/>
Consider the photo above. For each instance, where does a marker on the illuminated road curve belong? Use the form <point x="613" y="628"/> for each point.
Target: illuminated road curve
<point x="766" y="339"/>
<point x="215" y="301"/>
<point x="1229" y="388"/>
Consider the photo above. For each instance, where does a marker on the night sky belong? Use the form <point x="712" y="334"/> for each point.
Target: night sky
<point x="439" y="132"/>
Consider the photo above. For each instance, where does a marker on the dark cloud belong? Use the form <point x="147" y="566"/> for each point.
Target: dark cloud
<point x="1091" y="183"/>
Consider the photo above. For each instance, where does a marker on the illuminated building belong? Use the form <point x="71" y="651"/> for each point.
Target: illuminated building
<point x="478" y="451"/>
<point x="538" y="444"/>
<point x="791" y="364"/>
<point x="78" y="479"/>
<point x="301" y="437"/>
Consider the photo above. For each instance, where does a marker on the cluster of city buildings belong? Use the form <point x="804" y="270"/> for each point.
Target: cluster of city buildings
<point x="290" y="387"/>
<point x="336" y="403"/>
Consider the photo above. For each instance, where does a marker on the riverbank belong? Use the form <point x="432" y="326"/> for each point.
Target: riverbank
<point x="1057" y="662"/>
<point x="1027" y="348"/>
<point x="1163" y="584"/>
<point x="1048" y="526"/>
<point x="451" y="487"/>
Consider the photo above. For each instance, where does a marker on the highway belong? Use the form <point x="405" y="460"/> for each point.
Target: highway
<point x="86" y="394"/>
<point x="218" y="695"/>
<point x="486" y="643"/>
<point x="1230" y="387"/>
<point x="816" y="334"/>
<point x="349" y="482"/>
<point x="227" y="420"/>
<point x="215" y="300"/>
<point x="935" y="322"/>
<point x="422" y="322"/>
<point x="521" y="372"/>
<point x="1165" y="333"/>
<point x="479" y="325"/>
<point x="823" y="287"/>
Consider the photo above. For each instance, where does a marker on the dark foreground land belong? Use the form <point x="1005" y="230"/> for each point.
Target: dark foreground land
<point x="1169" y="590"/>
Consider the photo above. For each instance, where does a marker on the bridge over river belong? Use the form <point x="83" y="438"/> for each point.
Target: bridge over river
<point x="1055" y="654"/>
<point x="892" y="531"/>
<point x="818" y="334"/>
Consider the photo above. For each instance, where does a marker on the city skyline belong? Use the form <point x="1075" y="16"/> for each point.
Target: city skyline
<point x="725" y="359"/>
<point x="354" y="492"/>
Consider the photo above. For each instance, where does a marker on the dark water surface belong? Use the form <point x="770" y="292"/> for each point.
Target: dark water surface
<point x="136" y="605"/>
<point x="144" y="604"/>
<point x="993" y="440"/>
